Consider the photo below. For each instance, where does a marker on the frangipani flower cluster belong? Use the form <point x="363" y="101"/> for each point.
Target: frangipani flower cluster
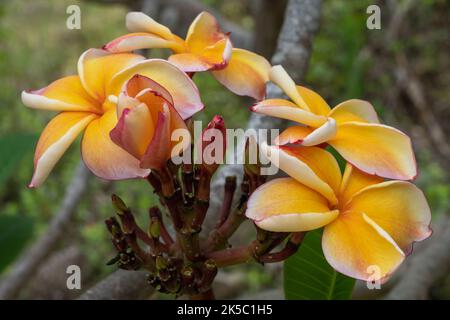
<point x="128" y="106"/>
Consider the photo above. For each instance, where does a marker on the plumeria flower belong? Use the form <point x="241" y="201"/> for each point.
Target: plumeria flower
<point x="147" y="119"/>
<point x="367" y="221"/>
<point x="206" y="48"/>
<point x="83" y="103"/>
<point x="352" y="128"/>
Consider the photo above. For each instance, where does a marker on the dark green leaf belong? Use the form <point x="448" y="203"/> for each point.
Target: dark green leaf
<point x="15" y="231"/>
<point x="13" y="148"/>
<point x="308" y="276"/>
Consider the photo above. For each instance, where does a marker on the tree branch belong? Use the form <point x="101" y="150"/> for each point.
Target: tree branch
<point x="24" y="268"/>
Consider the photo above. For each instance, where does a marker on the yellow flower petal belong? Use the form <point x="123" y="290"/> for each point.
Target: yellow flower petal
<point x="97" y="68"/>
<point x="66" y="94"/>
<point x="311" y="166"/>
<point x="324" y="133"/>
<point x="314" y="101"/>
<point x="203" y="32"/>
<point x="140" y="22"/>
<point x="356" y="246"/>
<point x="136" y="41"/>
<point x="56" y="138"/>
<point x="246" y="74"/>
<point x="376" y="149"/>
<point x="280" y="77"/>
<point x="292" y="135"/>
<point x="354" y="110"/>
<point x="103" y="157"/>
<point x="353" y="181"/>
<point x="398" y="207"/>
<point x="285" y="205"/>
<point x="190" y="62"/>
<point x="284" y="109"/>
<point x="185" y="94"/>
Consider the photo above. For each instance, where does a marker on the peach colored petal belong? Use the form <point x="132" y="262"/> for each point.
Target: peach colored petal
<point x="140" y="22"/>
<point x="285" y="205"/>
<point x="56" y="138"/>
<point x="246" y="74"/>
<point x="65" y="94"/>
<point x="281" y="78"/>
<point x="136" y="41"/>
<point x="324" y="133"/>
<point x="399" y="207"/>
<point x="314" y="101"/>
<point x="354" y="110"/>
<point x="190" y="62"/>
<point x="186" y="98"/>
<point x="376" y="149"/>
<point x="288" y="160"/>
<point x="203" y="32"/>
<point x="292" y="135"/>
<point x="103" y="157"/>
<point x="355" y="245"/>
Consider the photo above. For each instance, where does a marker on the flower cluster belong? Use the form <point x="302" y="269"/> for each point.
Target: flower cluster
<point x="129" y="107"/>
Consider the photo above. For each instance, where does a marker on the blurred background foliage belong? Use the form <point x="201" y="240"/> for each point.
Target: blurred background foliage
<point x="348" y="61"/>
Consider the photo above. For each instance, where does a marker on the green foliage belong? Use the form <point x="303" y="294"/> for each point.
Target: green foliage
<point x="15" y="231"/>
<point x="307" y="274"/>
<point x="13" y="148"/>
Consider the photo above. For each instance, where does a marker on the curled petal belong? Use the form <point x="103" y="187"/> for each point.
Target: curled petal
<point x="353" y="181"/>
<point x="203" y="32"/>
<point x="56" y="138"/>
<point x="376" y="149"/>
<point x="186" y="98"/>
<point x="284" y="109"/>
<point x="97" y="68"/>
<point x="280" y="77"/>
<point x="66" y="94"/>
<point x="285" y="205"/>
<point x="134" y="130"/>
<point x="324" y="133"/>
<point x="125" y="102"/>
<point x="293" y="135"/>
<point x="354" y="110"/>
<point x="311" y="166"/>
<point x="358" y="247"/>
<point x="398" y="207"/>
<point x="246" y="74"/>
<point x="136" y="41"/>
<point x="139" y="83"/>
<point x="314" y="101"/>
<point x="103" y="157"/>
<point x="140" y="22"/>
<point x="158" y="151"/>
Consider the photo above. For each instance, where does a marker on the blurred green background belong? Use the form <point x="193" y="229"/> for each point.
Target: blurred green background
<point x="348" y="61"/>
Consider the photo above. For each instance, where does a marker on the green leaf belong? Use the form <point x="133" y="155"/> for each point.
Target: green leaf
<point x="14" y="147"/>
<point x="15" y="231"/>
<point x="308" y="276"/>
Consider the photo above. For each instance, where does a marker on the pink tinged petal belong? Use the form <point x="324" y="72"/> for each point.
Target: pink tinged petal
<point x="134" y="130"/>
<point x="158" y="151"/>
<point x="185" y="94"/>
<point x="136" y="41"/>
<point x="97" y="68"/>
<point x="322" y="134"/>
<point x="190" y="62"/>
<point x="293" y="135"/>
<point x="399" y="207"/>
<point x="354" y="110"/>
<point x="314" y="101"/>
<point x="138" y="84"/>
<point x="56" y="138"/>
<point x="65" y="94"/>
<point x="280" y="77"/>
<point x="140" y="22"/>
<point x="285" y="205"/>
<point x="125" y="102"/>
<point x="246" y="74"/>
<point x="296" y="167"/>
<point x="103" y="157"/>
<point x="284" y="109"/>
<point x="356" y="245"/>
<point x="376" y="149"/>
